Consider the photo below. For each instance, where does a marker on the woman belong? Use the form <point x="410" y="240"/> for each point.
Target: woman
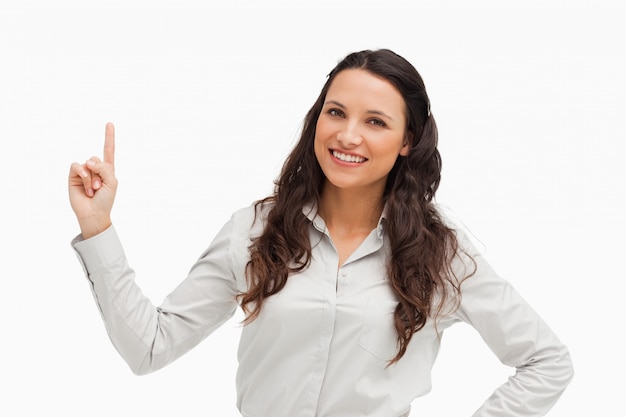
<point x="347" y="274"/>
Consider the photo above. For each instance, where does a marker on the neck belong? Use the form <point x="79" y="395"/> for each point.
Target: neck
<point x="348" y="211"/>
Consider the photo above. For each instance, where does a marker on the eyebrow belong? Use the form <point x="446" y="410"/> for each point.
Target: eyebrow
<point x="378" y="112"/>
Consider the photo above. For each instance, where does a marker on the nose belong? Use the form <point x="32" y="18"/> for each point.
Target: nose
<point x="349" y="136"/>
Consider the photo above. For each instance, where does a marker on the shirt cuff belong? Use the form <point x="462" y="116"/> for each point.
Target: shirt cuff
<point x="100" y="251"/>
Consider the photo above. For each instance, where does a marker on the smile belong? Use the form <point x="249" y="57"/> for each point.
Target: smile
<point x="348" y="158"/>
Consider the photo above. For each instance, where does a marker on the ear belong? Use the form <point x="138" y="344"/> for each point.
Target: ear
<point x="404" y="151"/>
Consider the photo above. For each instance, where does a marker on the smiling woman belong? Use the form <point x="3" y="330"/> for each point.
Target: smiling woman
<point x="348" y="273"/>
<point x="360" y="133"/>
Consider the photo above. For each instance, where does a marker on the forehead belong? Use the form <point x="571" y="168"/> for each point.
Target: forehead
<point x="358" y="86"/>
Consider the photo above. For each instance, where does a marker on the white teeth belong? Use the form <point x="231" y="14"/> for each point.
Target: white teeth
<point x="348" y="158"/>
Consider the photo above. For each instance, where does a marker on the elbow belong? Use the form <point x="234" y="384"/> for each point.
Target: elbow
<point x="567" y="367"/>
<point x="143" y="366"/>
<point x="549" y="374"/>
<point x="140" y="371"/>
<point x="558" y="372"/>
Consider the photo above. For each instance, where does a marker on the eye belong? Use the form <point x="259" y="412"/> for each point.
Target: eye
<point x="335" y="113"/>
<point x="377" y="122"/>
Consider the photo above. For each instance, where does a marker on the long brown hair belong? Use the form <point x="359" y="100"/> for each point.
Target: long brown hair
<point x="422" y="247"/>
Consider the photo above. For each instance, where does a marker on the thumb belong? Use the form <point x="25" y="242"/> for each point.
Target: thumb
<point x="103" y="170"/>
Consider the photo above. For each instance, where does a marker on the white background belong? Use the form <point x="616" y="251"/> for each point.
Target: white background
<point x="207" y="102"/>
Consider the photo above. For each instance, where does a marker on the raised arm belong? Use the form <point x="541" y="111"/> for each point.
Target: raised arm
<point x="92" y="187"/>
<point x="146" y="336"/>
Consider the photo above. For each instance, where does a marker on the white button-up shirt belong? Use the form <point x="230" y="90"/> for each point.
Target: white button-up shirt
<point x="321" y="346"/>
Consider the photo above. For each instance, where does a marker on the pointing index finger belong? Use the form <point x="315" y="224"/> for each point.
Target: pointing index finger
<point x="109" y="144"/>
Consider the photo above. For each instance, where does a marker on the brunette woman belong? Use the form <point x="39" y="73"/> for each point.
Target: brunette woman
<point x="348" y="273"/>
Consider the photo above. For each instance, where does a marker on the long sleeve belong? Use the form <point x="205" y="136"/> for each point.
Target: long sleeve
<point x="520" y="338"/>
<point x="150" y="337"/>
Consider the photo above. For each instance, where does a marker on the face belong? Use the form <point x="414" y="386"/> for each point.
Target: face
<point x="360" y="131"/>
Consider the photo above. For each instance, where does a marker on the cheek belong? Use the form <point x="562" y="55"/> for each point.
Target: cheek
<point x="321" y="134"/>
<point x="388" y="149"/>
<point x="321" y="130"/>
<point x="318" y="147"/>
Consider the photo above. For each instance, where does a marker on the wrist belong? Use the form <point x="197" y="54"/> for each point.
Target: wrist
<point x="92" y="226"/>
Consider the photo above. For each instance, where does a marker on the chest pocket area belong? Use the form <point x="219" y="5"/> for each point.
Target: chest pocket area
<point x="378" y="333"/>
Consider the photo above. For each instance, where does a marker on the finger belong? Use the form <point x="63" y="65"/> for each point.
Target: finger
<point x="109" y="144"/>
<point x="101" y="171"/>
<point x="80" y="171"/>
<point x="96" y="180"/>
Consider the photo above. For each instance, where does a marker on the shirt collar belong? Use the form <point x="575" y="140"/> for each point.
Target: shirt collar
<point x="310" y="211"/>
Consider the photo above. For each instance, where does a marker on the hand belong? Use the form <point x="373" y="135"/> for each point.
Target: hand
<point x="92" y="188"/>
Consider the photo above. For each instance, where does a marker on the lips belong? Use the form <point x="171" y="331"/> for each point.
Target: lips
<point x="344" y="157"/>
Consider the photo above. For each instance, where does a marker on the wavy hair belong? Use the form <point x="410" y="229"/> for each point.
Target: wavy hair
<point x="421" y="246"/>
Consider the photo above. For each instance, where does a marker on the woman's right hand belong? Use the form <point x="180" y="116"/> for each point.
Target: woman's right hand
<point x="92" y="188"/>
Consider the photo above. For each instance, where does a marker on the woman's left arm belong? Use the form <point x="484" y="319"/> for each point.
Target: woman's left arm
<point x="520" y="338"/>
